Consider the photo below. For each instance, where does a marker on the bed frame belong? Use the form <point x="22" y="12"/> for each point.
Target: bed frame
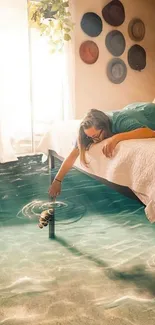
<point x="118" y="188"/>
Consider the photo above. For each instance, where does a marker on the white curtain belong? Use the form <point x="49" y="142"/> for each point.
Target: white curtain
<point x="36" y="87"/>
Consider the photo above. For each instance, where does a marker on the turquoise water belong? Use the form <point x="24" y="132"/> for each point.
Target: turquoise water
<point x="99" y="270"/>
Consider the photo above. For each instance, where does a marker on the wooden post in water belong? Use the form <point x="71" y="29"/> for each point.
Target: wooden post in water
<point x="51" y="223"/>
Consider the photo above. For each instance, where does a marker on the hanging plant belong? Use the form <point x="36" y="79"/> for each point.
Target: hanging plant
<point x="53" y="19"/>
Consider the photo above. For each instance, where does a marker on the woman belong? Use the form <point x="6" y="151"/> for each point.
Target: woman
<point x="135" y="121"/>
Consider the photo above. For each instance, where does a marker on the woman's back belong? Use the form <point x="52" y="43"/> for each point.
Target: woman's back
<point x="133" y="116"/>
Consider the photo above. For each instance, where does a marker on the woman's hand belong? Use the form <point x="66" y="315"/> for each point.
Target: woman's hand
<point x="109" y="146"/>
<point x="55" y="189"/>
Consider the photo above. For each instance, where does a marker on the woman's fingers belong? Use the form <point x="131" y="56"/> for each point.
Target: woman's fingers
<point x="54" y="189"/>
<point x="104" y="150"/>
<point x="107" y="150"/>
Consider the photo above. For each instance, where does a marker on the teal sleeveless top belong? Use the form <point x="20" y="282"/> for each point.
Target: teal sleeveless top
<point x="133" y="116"/>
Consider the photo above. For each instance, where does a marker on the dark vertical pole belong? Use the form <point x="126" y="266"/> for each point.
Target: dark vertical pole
<point x="51" y="211"/>
<point x="51" y="224"/>
<point x="51" y="160"/>
<point x="51" y="163"/>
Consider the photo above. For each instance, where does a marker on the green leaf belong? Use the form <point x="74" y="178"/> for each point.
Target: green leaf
<point x="58" y="26"/>
<point x="67" y="37"/>
<point x="52" y="51"/>
<point x="55" y="46"/>
<point x="66" y="4"/>
<point x="55" y="7"/>
<point x="51" y="23"/>
<point x="48" y="32"/>
<point x="68" y="14"/>
<point x="43" y="28"/>
<point x="52" y="45"/>
<point x="45" y="7"/>
<point x="68" y="22"/>
<point x="67" y="30"/>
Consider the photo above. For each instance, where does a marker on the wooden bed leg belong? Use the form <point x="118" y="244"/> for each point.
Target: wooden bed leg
<point x="51" y="163"/>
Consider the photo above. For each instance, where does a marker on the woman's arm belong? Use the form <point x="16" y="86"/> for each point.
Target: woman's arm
<point x="68" y="163"/>
<point x="142" y="133"/>
<point x="110" y="143"/>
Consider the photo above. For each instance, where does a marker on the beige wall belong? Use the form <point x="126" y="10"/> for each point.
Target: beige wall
<point x="92" y="87"/>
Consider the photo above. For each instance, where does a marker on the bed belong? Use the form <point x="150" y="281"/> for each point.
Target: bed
<point x="130" y="171"/>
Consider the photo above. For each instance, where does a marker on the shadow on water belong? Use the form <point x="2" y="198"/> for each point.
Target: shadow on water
<point x="138" y="275"/>
<point x="75" y="251"/>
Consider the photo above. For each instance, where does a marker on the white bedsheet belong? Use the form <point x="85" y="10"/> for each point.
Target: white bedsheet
<point x="132" y="165"/>
<point x="7" y="153"/>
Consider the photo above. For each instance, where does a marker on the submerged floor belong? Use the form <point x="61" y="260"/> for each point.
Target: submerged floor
<point x="99" y="270"/>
